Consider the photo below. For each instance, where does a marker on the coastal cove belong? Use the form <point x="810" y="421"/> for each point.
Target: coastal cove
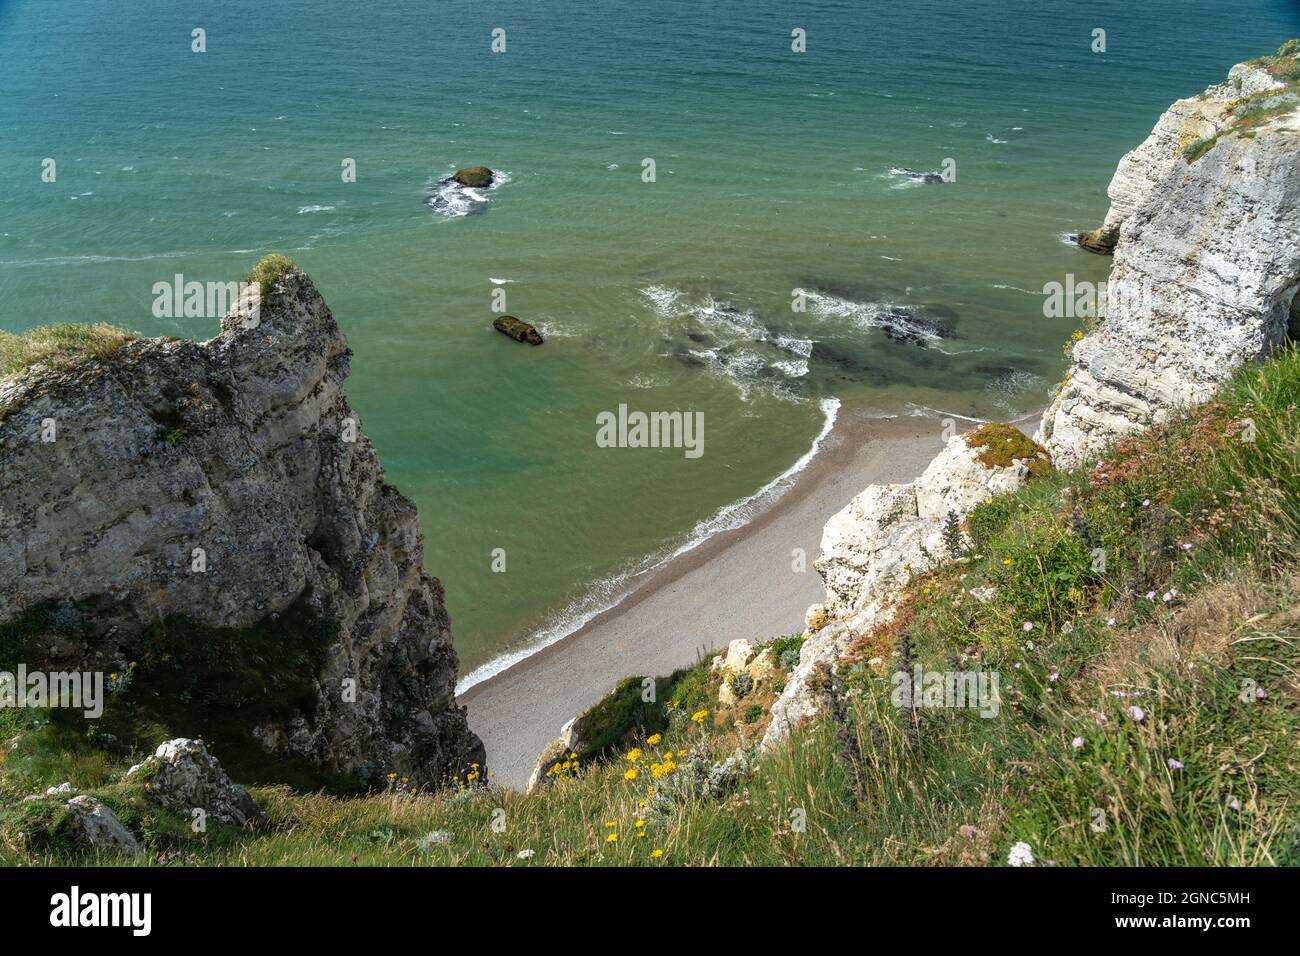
<point x="776" y="172"/>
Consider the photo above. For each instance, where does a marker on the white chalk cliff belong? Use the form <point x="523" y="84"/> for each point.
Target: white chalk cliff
<point x="1207" y="267"/>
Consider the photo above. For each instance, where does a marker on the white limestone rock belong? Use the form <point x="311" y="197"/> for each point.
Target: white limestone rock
<point x="93" y="825"/>
<point x="1206" y="273"/>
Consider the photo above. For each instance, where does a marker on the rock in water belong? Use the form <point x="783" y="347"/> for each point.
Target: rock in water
<point x="1101" y="240"/>
<point x="518" y="330"/>
<point x="221" y="483"/>
<point x="476" y="177"/>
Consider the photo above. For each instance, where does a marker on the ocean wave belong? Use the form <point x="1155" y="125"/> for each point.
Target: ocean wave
<point x="607" y="593"/>
<point x="1016" y="288"/>
<point x="304" y="210"/>
<point x="993" y="139"/>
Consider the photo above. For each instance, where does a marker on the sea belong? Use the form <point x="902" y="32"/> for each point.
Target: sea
<point x="770" y="214"/>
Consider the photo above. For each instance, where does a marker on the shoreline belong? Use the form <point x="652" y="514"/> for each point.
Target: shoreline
<point x="738" y="582"/>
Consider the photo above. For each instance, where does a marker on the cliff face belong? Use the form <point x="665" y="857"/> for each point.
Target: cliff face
<point x="1207" y="263"/>
<point x="1207" y="267"/>
<point x="226" y="484"/>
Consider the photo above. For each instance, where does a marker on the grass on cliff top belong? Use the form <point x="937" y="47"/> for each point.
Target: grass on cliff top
<point x="60" y="346"/>
<point x="1143" y="619"/>
<point x="269" y="269"/>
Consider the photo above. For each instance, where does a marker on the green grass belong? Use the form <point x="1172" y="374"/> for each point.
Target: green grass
<point x="267" y="271"/>
<point x="60" y="346"/>
<point x="1204" y="509"/>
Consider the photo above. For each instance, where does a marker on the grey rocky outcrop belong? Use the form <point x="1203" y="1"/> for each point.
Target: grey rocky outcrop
<point x="94" y="826"/>
<point x="183" y="777"/>
<point x="222" y="482"/>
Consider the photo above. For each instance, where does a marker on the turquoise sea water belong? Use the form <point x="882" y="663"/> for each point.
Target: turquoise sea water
<point x="772" y="174"/>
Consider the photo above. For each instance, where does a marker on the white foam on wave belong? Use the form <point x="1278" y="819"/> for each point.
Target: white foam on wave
<point x="608" y="593"/>
<point x="662" y="298"/>
<point x="993" y="139"/>
<point x="304" y="210"/>
<point x="1016" y="288"/>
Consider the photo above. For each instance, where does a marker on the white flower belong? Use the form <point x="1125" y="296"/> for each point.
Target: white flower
<point x="1029" y="625"/>
<point x="1151" y="595"/>
<point x="1076" y="743"/>
<point x="1146" y="503"/>
<point x="1173" y="764"/>
<point x="525" y="854"/>
<point x="1021" y="855"/>
<point x="1110" y="622"/>
<point x="1136" y="712"/>
<point x="1054" y="677"/>
<point x="1234" y="804"/>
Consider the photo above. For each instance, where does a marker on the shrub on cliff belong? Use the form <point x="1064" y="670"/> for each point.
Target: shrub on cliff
<point x="268" y="269"/>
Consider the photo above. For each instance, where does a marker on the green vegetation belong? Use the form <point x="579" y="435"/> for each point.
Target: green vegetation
<point x="176" y="678"/>
<point x="1142" y="617"/>
<point x="1004" y="444"/>
<point x="60" y="346"/>
<point x="267" y="271"/>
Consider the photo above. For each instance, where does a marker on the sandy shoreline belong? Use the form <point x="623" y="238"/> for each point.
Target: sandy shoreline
<point x="740" y="583"/>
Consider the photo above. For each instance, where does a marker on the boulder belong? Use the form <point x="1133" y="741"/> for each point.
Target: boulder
<point x="96" y="827"/>
<point x="183" y="777"/>
<point x="1101" y="240"/>
<point x="476" y="177"/>
<point x="518" y="330"/>
<point x="739" y="653"/>
<point x="815" y="618"/>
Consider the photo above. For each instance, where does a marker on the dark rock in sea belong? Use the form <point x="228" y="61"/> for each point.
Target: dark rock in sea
<point x="917" y="175"/>
<point x="476" y="177"/>
<point x="518" y="330"/>
<point x="1101" y="241"/>
<point x="900" y="325"/>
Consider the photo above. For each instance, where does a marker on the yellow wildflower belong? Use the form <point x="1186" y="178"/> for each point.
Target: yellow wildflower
<point x="654" y="739"/>
<point x="656" y="853"/>
<point x="631" y="774"/>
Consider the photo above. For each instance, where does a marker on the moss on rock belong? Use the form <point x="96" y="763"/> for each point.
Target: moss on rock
<point x="1004" y="444"/>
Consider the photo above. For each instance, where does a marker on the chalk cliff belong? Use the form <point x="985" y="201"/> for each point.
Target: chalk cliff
<point x="226" y="485"/>
<point x="1206" y="212"/>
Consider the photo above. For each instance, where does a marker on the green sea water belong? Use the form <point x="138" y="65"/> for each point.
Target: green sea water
<point x="773" y="173"/>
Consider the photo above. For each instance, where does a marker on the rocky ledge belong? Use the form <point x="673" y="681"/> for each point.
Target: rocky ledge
<point x="183" y="498"/>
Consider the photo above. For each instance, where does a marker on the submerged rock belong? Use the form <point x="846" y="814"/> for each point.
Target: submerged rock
<point x="918" y="176"/>
<point x="518" y="330"/>
<point x="476" y="177"/>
